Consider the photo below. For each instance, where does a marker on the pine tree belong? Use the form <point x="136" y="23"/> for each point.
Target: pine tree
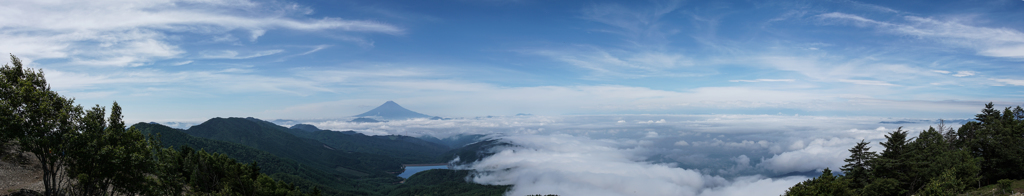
<point x="857" y="168"/>
<point x="892" y="164"/>
<point x="826" y="184"/>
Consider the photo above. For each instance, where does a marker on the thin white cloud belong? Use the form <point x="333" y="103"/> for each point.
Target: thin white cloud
<point x="1014" y="82"/>
<point x="682" y="143"/>
<point x="256" y="33"/>
<point x="231" y="80"/>
<point x="231" y="54"/>
<point x="835" y="68"/>
<point x="640" y="26"/>
<point x="1007" y="51"/>
<point x="315" y="49"/>
<point x="867" y="82"/>
<point x="182" y="63"/>
<point x="764" y="80"/>
<point x="941" y="71"/>
<point x="617" y="63"/>
<point x="134" y="33"/>
<point x="987" y="41"/>
<point x="963" y="73"/>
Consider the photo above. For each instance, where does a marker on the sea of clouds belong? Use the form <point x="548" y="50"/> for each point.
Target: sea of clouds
<point x="652" y="154"/>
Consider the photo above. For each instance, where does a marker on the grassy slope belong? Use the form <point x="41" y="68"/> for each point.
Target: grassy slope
<point x="992" y="189"/>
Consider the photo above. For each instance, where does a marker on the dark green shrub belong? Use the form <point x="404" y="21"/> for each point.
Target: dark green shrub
<point x="1004" y="185"/>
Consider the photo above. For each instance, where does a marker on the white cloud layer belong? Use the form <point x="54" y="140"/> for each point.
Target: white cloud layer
<point x="819" y="154"/>
<point x="567" y="165"/>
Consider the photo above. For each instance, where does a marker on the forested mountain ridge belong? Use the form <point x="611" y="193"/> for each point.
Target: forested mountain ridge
<point x="408" y="150"/>
<point x="331" y="182"/>
<point x="82" y="153"/>
<point x="276" y="140"/>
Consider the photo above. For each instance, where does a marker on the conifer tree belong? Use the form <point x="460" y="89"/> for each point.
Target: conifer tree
<point x="892" y="164"/>
<point x="826" y="184"/>
<point x="857" y="168"/>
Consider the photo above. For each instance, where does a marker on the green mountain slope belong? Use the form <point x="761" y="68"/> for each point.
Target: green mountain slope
<point x="408" y="150"/>
<point x="329" y="181"/>
<point x="337" y="163"/>
<point x="276" y="140"/>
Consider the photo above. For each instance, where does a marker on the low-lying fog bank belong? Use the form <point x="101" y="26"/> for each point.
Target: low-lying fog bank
<point x="652" y="154"/>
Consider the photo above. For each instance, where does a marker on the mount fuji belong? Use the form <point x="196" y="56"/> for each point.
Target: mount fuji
<point x="391" y="111"/>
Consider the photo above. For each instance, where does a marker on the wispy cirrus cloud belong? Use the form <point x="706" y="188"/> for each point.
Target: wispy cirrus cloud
<point x="231" y="54"/>
<point x="986" y="41"/>
<point x="232" y="80"/>
<point x="135" y="33"/>
<point x="619" y="63"/>
<point x="764" y="80"/>
<point x="641" y="26"/>
<point x="645" y="36"/>
<point x="963" y="73"/>
<point x="867" y="82"/>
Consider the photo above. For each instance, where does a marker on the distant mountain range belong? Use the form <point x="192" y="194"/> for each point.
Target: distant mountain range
<point x="391" y="111"/>
<point x="333" y="162"/>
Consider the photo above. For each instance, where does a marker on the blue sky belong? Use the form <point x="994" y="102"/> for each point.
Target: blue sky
<point x="193" y="60"/>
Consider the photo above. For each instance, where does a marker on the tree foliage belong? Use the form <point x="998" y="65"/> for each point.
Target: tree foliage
<point x="38" y="119"/>
<point x="857" y="168"/>
<point x="939" y="161"/>
<point x="108" y="158"/>
<point x="824" y="185"/>
<point x="81" y="153"/>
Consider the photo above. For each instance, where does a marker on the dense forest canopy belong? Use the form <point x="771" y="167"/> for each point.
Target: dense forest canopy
<point x="939" y="161"/>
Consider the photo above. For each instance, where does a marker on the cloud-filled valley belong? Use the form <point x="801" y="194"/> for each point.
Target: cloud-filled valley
<point x="651" y="154"/>
<point x="663" y="97"/>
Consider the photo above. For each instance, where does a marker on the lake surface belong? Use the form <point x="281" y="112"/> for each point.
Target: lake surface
<point x="410" y="170"/>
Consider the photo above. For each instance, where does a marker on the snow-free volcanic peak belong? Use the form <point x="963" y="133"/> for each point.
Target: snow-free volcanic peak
<point x="392" y="111"/>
